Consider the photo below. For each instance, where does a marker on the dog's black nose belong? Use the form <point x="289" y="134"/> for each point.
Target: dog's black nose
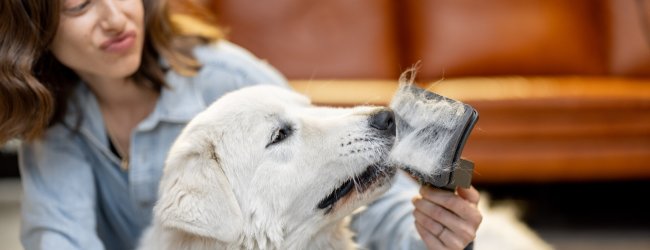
<point x="383" y="120"/>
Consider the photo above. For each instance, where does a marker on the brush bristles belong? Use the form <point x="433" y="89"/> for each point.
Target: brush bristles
<point x="427" y="124"/>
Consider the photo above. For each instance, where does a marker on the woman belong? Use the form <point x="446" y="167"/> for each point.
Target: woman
<point x="99" y="89"/>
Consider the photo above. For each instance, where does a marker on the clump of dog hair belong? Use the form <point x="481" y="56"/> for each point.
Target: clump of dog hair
<point x="426" y="127"/>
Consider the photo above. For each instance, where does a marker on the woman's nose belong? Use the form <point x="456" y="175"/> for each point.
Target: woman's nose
<point x="112" y="16"/>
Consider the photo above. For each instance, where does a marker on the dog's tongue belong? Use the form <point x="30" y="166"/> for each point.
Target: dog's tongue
<point x="431" y="133"/>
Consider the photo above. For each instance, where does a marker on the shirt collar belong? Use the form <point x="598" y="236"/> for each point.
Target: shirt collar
<point x="179" y="102"/>
<point x="83" y="113"/>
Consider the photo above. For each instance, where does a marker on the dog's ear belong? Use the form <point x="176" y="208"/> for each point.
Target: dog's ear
<point x="196" y="196"/>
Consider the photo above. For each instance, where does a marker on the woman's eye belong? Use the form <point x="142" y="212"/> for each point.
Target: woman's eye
<point x="76" y="6"/>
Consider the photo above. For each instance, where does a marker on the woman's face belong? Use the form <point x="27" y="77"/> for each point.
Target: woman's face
<point x="100" y="39"/>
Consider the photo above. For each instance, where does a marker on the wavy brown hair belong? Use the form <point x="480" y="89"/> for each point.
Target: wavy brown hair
<point x="35" y="88"/>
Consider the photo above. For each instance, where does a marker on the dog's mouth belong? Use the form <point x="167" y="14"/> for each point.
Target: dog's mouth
<point x="362" y="182"/>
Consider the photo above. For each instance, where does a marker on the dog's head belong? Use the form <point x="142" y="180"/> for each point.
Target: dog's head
<point x="264" y="160"/>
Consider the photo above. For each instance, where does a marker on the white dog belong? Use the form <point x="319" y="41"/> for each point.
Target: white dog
<point x="262" y="168"/>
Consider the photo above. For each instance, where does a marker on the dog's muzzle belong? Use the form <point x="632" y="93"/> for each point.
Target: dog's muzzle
<point x="373" y="174"/>
<point x="383" y="123"/>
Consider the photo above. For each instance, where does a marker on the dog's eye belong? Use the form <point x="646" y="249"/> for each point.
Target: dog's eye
<point x="280" y="134"/>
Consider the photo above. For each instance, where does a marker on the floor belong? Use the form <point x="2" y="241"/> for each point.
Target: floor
<point x="10" y="192"/>
<point x="622" y="223"/>
<point x="589" y="215"/>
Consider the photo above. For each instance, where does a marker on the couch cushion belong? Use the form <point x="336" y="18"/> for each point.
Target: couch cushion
<point x="629" y="37"/>
<point x="505" y="37"/>
<point x="316" y="39"/>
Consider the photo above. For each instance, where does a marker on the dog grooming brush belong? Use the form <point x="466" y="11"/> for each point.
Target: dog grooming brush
<point x="431" y="134"/>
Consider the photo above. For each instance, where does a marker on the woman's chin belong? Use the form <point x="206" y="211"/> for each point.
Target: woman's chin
<point x="123" y="69"/>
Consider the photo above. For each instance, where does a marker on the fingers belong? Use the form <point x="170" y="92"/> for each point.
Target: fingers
<point x="446" y="219"/>
<point x="430" y="239"/>
<point x="469" y="194"/>
<point x="435" y="235"/>
<point x="427" y="223"/>
<point x="449" y="228"/>
<point x="466" y="210"/>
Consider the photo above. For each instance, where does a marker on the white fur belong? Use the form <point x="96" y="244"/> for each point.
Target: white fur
<point x="224" y="187"/>
<point x="502" y="229"/>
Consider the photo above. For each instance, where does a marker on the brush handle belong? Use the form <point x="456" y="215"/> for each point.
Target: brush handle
<point x="462" y="177"/>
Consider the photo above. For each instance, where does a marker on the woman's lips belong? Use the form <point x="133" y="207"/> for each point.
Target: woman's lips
<point x="119" y="44"/>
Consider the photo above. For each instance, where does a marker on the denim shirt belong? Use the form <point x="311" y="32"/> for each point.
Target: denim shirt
<point x="77" y="197"/>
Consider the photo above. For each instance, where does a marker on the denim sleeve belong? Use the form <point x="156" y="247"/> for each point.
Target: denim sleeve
<point x="388" y="222"/>
<point x="227" y="67"/>
<point x="58" y="206"/>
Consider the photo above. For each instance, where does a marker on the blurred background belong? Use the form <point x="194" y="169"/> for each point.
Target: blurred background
<point x="562" y="89"/>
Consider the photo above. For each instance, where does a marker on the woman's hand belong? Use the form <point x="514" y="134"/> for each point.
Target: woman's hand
<point x="447" y="220"/>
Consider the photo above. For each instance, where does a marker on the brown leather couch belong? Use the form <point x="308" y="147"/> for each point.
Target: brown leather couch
<point x="562" y="87"/>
